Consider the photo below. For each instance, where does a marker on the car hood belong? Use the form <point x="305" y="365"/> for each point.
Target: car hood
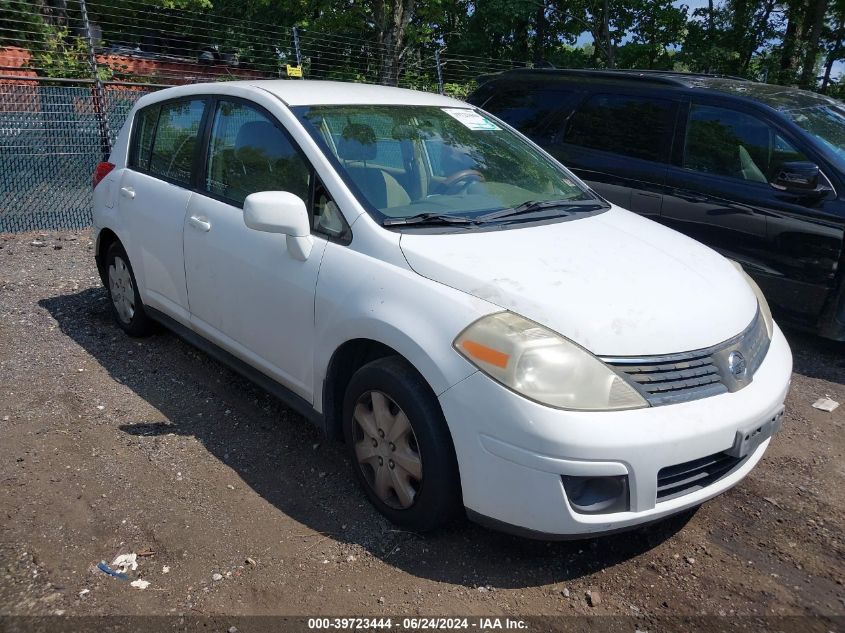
<point x="615" y="283"/>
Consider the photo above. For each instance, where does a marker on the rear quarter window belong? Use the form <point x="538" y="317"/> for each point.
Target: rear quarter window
<point x="142" y="137"/>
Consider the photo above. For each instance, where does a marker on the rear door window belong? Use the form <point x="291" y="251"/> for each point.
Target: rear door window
<point x="727" y="142"/>
<point x="175" y="140"/>
<point x="529" y="110"/>
<point x="640" y="127"/>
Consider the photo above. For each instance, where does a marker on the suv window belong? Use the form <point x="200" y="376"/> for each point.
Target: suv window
<point x="250" y="153"/>
<point x="629" y="125"/>
<point x="730" y="143"/>
<point x="175" y="140"/>
<point x="145" y="125"/>
<point x="528" y="110"/>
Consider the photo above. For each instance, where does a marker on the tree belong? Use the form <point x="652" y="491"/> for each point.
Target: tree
<point x="835" y="37"/>
<point x="789" y="61"/>
<point x="815" y="14"/>
<point x="392" y="18"/>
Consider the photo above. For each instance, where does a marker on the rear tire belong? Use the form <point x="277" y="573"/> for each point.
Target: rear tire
<point x="400" y="446"/>
<point x="126" y="305"/>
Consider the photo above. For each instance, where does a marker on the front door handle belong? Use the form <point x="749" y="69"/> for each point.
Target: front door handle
<point x="199" y="223"/>
<point x="127" y="192"/>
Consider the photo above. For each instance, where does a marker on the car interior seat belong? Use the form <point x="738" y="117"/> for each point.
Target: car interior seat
<point x="356" y="147"/>
<point x="748" y="168"/>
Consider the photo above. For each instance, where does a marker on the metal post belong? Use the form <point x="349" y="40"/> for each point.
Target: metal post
<point x="439" y="71"/>
<point x="98" y="93"/>
<point x="296" y="47"/>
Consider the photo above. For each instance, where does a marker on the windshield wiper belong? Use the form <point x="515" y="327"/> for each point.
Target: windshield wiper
<point x="428" y="218"/>
<point x="532" y="206"/>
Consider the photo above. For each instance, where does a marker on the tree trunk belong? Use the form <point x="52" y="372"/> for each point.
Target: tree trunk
<point x="54" y="12"/>
<point x="392" y="17"/>
<point x="789" y="50"/>
<point x="711" y="26"/>
<point x="540" y="32"/>
<point x="758" y="34"/>
<point x="740" y="28"/>
<point x="815" y="19"/>
<point x="520" y="41"/>
<point x="711" y="33"/>
<point x="835" y="51"/>
<point x="611" y="62"/>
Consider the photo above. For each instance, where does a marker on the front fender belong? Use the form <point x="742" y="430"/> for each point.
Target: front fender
<point x="361" y="297"/>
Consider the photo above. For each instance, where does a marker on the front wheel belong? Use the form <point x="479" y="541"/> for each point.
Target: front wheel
<point x="400" y="445"/>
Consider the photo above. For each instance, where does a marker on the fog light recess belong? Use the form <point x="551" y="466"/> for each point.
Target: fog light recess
<point x="597" y="495"/>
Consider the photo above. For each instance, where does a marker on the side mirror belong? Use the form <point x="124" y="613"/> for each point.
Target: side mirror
<point x="280" y="212"/>
<point x="798" y="177"/>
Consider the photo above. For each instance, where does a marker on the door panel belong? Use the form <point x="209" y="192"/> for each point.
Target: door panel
<point x="720" y="195"/>
<point x="246" y="292"/>
<point x="805" y="239"/>
<point x="154" y="195"/>
<point x="721" y="213"/>
<point x="249" y="295"/>
<point x="632" y="184"/>
<point x="155" y="214"/>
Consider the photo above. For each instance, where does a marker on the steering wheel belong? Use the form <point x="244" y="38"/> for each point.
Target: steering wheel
<point x="464" y="175"/>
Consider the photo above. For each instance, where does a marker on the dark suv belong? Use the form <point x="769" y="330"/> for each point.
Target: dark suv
<point x="756" y="171"/>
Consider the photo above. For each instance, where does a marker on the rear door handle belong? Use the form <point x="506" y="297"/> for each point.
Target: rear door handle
<point x="199" y="223"/>
<point x="127" y="192"/>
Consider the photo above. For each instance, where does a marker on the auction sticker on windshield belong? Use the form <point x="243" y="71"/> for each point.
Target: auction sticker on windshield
<point x="471" y="119"/>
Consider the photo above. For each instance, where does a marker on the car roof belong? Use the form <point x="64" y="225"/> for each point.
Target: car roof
<point x="777" y="97"/>
<point x="309" y="92"/>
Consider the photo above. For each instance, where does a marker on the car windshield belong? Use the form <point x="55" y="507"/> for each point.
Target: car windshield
<point x="824" y="122"/>
<point x="449" y="164"/>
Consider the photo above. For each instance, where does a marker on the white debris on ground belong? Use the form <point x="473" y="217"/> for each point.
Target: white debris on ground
<point x="825" y="404"/>
<point x="125" y="563"/>
<point x="140" y="584"/>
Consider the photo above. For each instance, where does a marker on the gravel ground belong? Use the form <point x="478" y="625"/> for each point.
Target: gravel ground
<point x="110" y="445"/>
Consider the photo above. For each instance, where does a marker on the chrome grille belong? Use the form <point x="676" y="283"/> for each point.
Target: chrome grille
<point x="672" y="378"/>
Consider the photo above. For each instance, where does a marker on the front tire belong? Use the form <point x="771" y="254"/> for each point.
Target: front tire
<point x="126" y="305"/>
<point x="400" y="446"/>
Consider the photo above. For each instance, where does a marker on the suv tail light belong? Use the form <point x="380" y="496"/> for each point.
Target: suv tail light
<point x="101" y="171"/>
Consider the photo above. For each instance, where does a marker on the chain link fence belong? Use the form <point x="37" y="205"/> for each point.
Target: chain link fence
<point x="50" y="141"/>
<point x="69" y="77"/>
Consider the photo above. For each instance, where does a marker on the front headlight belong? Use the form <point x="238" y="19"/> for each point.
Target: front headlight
<point x="761" y="300"/>
<point x="543" y="366"/>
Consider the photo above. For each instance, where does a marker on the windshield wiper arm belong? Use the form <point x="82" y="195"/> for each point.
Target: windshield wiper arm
<point x="428" y="218"/>
<point x="531" y="206"/>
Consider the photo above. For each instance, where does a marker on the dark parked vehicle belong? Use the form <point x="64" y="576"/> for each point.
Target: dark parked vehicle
<point x="755" y="171"/>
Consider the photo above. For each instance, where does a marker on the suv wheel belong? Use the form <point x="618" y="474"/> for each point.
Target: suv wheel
<point x="400" y="446"/>
<point x="126" y="305"/>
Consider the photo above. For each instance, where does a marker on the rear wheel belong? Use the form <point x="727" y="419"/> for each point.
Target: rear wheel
<point x="400" y="446"/>
<point x="126" y="305"/>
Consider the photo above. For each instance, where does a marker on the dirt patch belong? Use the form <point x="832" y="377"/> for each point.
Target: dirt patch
<point x="111" y="445"/>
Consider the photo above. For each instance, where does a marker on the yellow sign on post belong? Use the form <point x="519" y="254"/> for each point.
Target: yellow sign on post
<point x="294" y="71"/>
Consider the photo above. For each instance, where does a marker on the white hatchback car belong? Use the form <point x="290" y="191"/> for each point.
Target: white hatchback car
<point x="418" y="278"/>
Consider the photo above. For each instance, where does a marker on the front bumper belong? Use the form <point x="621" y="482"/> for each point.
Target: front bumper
<point x="512" y="452"/>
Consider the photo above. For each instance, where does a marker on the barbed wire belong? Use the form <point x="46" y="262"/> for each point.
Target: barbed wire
<point x="147" y="45"/>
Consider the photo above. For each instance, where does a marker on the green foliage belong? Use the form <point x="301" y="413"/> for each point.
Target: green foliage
<point x="61" y="55"/>
<point x="762" y="39"/>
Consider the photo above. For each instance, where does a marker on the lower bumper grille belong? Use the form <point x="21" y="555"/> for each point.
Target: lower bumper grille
<point x="682" y="479"/>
